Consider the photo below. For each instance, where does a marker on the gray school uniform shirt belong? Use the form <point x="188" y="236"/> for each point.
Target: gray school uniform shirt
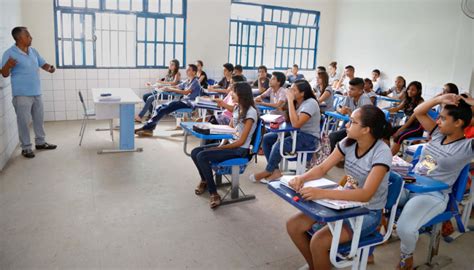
<point x="363" y="100"/>
<point x="311" y="108"/>
<point x="329" y="102"/>
<point x="359" y="168"/>
<point x="444" y="162"/>
<point x="239" y="124"/>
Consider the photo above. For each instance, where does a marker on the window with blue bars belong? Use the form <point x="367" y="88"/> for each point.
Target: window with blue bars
<point x="119" y="33"/>
<point x="274" y="36"/>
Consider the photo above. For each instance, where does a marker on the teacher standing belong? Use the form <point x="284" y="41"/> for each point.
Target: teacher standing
<point x="22" y="63"/>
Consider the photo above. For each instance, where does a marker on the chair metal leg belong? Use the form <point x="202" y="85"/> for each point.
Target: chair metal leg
<point x="82" y="125"/>
<point x="111" y="129"/>
<point x="83" y="129"/>
<point x="234" y="191"/>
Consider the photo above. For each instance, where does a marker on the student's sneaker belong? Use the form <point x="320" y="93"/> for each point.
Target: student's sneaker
<point x="28" y="153"/>
<point x="46" y="146"/>
<point x="144" y="132"/>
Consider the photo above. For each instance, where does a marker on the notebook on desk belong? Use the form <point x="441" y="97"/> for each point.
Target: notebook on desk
<point x="325" y="183"/>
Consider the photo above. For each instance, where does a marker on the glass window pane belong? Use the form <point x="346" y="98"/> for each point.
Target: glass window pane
<point x="253" y="33"/>
<point x="260" y="36"/>
<point x="233" y="33"/>
<point x="258" y="57"/>
<point x="60" y="51"/>
<point x="150" y="30"/>
<point x="291" y="57"/>
<point x="98" y="46"/>
<point x="276" y="15"/>
<point x="237" y="57"/>
<point x="92" y="3"/>
<point x="141" y="29"/>
<point x="287" y="37"/>
<point x="179" y="53"/>
<point x="169" y="52"/>
<point x="150" y="58"/>
<point x="153" y="5"/>
<point x="178" y="6"/>
<point x="284" y="59"/>
<point x="311" y="20"/>
<point x="88" y="27"/>
<point x="89" y="53"/>
<point x="304" y="61"/>
<point x="298" y="57"/>
<point x="245" y="34"/>
<point x="160" y="29"/>
<point x="299" y="37"/>
<point x="268" y="15"/>
<point x="179" y="30"/>
<point x="279" y="37"/>
<point x="137" y="5"/>
<point x="306" y="38"/>
<point x="311" y="59"/>
<point x="165" y="6"/>
<point x="67" y="53"/>
<point x="79" y="3"/>
<point x="246" y="12"/>
<point x="66" y="26"/>
<point x="295" y="18"/>
<point x="78" y="55"/>
<point x="243" y="59"/>
<point x="304" y="19"/>
<point x="140" y="54"/>
<point x="312" y="40"/>
<point x="232" y="54"/>
<point x="111" y="4"/>
<point x="169" y="29"/>
<point x="160" y="55"/>
<point x="77" y="26"/>
<point x="285" y="16"/>
<point x="293" y="38"/>
<point x="251" y="62"/>
<point x="64" y="3"/>
<point x="124" y="5"/>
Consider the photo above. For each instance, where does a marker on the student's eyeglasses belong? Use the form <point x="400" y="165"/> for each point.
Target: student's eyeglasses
<point x="352" y="122"/>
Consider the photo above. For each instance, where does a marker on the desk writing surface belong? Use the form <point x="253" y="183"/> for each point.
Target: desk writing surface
<point x="127" y="95"/>
<point x="188" y="127"/>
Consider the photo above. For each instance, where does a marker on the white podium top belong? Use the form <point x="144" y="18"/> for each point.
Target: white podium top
<point x="127" y="95"/>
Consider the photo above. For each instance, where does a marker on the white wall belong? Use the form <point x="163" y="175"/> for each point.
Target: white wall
<point x="426" y="40"/>
<point x="10" y="16"/>
<point x="207" y="39"/>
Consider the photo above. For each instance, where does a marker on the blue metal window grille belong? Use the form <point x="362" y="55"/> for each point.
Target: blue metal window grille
<point x="289" y="36"/>
<point x="119" y="33"/>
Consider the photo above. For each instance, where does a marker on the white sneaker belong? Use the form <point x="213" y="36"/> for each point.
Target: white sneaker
<point x="252" y="178"/>
<point x="264" y="181"/>
<point x="304" y="267"/>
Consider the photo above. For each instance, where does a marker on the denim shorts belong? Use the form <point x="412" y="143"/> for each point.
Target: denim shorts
<point x="369" y="224"/>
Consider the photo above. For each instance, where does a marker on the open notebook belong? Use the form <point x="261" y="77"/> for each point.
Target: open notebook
<point x="325" y="183"/>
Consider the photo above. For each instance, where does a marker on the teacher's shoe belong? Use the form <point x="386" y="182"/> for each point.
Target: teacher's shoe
<point x="144" y="132"/>
<point x="46" y="146"/>
<point x="28" y="153"/>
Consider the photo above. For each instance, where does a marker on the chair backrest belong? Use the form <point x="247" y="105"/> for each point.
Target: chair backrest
<point x="81" y="98"/>
<point x="395" y="187"/>
<point x="387" y="115"/>
<point x="459" y="187"/>
<point x="257" y="137"/>
<point x="337" y="100"/>
<point x="433" y="114"/>
<point x="416" y="156"/>
<point x="211" y="82"/>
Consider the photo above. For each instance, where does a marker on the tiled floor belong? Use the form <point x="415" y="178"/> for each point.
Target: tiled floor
<point x="73" y="209"/>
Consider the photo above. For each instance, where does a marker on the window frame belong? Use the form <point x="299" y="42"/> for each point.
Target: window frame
<point x="285" y="25"/>
<point x="144" y="13"/>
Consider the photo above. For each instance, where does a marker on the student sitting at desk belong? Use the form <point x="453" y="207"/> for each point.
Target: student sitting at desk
<point x="223" y="85"/>
<point x="304" y="113"/>
<point x="293" y="75"/>
<point x="411" y="128"/>
<point x="376" y="81"/>
<point x="368" y="162"/>
<point x="398" y="90"/>
<point x="190" y="89"/>
<point x="227" y="103"/>
<point x="354" y="100"/>
<point x="442" y="159"/>
<point x="333" y="74"/>
<point x="276" y="93"/>
<point x="324" y="93"/>
<point x="369" y="90"/>
<point x="244" y="121"/>
<point x="171" y="79"/>
<point x="239" y="70"/>
<point x="342" y="86"/>
<point x="263" y="80"/>
<point x="202" y="76"/>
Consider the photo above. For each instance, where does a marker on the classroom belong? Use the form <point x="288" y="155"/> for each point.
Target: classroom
<point x="236" y="134"/>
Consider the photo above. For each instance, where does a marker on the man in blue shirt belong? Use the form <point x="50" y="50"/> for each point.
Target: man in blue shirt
<point x="190" y="89"/>
<point x="22" y="62"/>
<point x="294" y="75"/>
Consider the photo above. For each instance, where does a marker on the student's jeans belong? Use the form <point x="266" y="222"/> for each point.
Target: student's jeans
<point x="418" y="209"/>
<point x="148" y="98"/>
<point x="163" y="110"/>
<point x="336" y="136"/>
<point x="271" y="147"/>
<point x="203" y="157"/>
<point x="29" y="108"/>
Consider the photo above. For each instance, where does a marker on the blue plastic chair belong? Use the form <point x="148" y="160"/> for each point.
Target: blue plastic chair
<point x="366" y="243"/>
<point x="211" y="82"/>
<point x="236" y="166"/>
<point x="407" y="142"/>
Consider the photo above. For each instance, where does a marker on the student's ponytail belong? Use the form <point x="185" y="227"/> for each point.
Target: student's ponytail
<point x="374" y="118"/>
